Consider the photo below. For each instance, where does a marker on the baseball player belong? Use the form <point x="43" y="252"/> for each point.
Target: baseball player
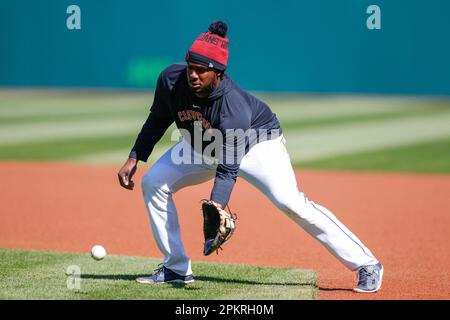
<point x="247" y="141"/>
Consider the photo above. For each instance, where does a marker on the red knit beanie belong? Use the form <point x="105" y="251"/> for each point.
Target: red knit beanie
<point x="211" y="48"/>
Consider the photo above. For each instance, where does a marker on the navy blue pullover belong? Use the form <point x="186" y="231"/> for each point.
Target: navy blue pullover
<point x="227" y="107"/>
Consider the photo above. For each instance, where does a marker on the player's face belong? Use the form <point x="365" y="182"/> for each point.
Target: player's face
<point x="202" y="80"/>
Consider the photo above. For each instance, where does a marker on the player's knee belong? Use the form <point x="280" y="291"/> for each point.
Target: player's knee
<point x="294" y="204"/>
<point x="151" y="183"/>
<point x="282" y="202"/>
<point x="146" y="182"/>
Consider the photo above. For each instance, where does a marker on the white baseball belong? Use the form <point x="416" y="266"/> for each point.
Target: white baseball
<point x="98" y="252"/>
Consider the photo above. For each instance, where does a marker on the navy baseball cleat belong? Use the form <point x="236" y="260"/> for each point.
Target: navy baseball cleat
<point x="369" y="278"/>
<point x="164" y="275"/>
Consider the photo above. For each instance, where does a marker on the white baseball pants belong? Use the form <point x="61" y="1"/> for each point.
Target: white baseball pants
<point x="267" y="166"/>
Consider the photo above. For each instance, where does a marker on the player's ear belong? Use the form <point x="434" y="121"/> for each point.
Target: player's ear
<point x="219" y="74"/>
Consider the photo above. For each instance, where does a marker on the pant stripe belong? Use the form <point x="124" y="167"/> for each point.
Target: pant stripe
<point x="343" y="231"/>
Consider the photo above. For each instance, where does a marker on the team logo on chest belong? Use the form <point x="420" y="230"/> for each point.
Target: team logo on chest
<point x="193" y="115"/>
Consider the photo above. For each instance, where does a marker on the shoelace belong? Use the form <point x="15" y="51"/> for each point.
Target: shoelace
<point x="159" y="269"/>
<point x="363" y="275"/>
<point x="234" y="217"/>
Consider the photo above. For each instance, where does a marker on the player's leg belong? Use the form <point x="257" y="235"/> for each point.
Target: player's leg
<point x="158" y="185"/>
<point x="267" y="166"/>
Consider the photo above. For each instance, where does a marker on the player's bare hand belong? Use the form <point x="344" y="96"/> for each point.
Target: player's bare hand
<point x="126" y="173"/>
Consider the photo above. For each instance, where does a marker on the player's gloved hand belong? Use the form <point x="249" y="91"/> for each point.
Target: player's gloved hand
<point x="218" y="226"/>
<point x="126" y="173"/>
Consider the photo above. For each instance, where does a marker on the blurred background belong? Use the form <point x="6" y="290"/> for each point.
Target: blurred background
<point x="355" y="86"/>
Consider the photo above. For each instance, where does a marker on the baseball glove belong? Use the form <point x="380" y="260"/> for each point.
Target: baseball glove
<point x="218" y="226"/>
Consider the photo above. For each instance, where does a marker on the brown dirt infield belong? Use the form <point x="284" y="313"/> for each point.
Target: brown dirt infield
<point x="404" y="219"/>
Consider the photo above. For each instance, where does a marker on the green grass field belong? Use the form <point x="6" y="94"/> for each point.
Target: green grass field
<point x="45" y="275"/>
<point x="338" y="132"/>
